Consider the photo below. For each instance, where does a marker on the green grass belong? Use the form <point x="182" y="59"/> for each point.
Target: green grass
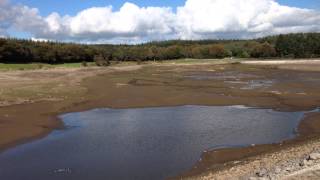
<point x="23" y="66"/>
<point x="34" y="66"/>
<point x="74" y="65"/>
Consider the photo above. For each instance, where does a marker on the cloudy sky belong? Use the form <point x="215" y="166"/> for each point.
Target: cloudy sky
<point x="120" y="21"/>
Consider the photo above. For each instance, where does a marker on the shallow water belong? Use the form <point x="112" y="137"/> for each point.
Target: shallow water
<point x="147" y="143"/>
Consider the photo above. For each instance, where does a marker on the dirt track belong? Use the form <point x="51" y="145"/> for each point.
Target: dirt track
<point x="31" y="100"/>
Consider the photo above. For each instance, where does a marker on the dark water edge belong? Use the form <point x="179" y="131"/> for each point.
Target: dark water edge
<point x="146" y="143"/>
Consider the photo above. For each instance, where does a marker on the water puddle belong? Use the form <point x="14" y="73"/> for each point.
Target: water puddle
<point x="147" y="143"/>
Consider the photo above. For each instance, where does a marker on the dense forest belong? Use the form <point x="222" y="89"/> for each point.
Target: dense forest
<point x="282" y="46"/>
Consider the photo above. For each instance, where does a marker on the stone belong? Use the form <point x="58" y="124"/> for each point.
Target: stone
<point x="272" y="177"/>
<point x="305" y="162"/>
<point x="288" y="169"/>
<point x="262" y="173"/>
<point x="252" y="178"/>
<point x="314" y="156"/>
<point x="257" y="178"/>
<point x="277" y="170"/>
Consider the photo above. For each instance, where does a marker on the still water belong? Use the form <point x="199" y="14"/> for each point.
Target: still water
<point x="146" y="143"/>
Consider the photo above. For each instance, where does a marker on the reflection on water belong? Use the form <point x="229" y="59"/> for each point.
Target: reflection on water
<point x="221" y="76"/>
<point x="149" y="143"/>
<point x="256" y="84"/>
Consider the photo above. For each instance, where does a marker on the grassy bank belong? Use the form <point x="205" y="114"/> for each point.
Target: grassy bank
<point x="35" y="66"/>
<point x="187" y="61"/>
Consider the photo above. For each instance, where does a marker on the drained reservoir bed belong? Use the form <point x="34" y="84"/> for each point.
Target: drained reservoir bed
<point x="145" y="143"/>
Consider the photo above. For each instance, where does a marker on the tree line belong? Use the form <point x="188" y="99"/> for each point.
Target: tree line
<point x="302" y="45"/>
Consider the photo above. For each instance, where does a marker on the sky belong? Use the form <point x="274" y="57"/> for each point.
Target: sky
<point x="135" y="21"/>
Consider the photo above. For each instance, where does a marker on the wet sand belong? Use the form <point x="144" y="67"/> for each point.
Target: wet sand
<point x="27" y="117"/>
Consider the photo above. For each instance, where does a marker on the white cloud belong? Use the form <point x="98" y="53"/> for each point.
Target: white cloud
<point x="197" y="19"/>
<point x="218" y="16"/>
<point x="242" y="19"/>
<point x="130" y="21"/>
<point x="19" y="17"/>
<point x="39" y="40"/>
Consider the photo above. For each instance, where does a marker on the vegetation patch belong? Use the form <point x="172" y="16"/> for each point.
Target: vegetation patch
<point x="281" y="46"/>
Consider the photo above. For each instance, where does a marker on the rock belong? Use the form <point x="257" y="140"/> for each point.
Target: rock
<point x="262" y="173"/>
<point x="272" y="177"/>
<point x="236" y="162"/>
<point x="257" y="178"/>
<point x="305" y="162"/>
<point x="277" y="170"/>
<point x="314" y="156"/>
<point x="289" y="169"/>
<point x="253" y="178"/>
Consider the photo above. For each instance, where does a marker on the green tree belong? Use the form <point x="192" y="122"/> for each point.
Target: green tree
<point x="217" y="51"/>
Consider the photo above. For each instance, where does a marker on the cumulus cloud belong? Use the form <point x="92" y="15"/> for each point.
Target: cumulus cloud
<point x="242" y="19"/>
<point x="194" y="20"/>
<point x="19" y="17"/>
<point x="130" y="21"/>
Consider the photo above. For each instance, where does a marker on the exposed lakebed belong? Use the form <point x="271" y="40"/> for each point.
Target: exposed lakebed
<point x="145" y="143"/>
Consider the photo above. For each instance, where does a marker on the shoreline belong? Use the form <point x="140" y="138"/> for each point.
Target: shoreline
<point x="213" y="162"/>
<point x="51" y="111"/>
<point x="308" y="130"/>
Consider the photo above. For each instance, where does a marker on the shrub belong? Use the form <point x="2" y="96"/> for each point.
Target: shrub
<point x="84" y="63"/>
<point x="101" y="61"/>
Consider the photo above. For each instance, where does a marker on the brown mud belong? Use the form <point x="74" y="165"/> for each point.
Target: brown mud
<point x="276" y="87"/>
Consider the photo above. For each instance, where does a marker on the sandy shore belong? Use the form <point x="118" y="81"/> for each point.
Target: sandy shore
<point x="31" y="100"/>
<point x="283" y="62"/>
<point x="298" y="65"/>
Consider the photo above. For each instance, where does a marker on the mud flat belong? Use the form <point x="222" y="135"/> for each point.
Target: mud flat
<point x="31" y="102"/>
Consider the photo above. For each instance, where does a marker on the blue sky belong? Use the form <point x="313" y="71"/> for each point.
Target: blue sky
<point x="312" y="4"/>
<point x="197" y="19"/>
<point x="72" y="7"/>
